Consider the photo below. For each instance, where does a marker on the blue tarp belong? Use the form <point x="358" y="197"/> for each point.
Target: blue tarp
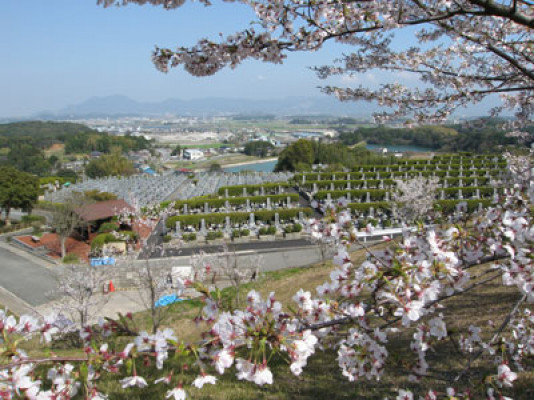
<point x="167" y="300"/>
<point x="102" y="261"/>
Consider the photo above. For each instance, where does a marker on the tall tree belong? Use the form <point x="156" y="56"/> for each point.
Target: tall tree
<point x="109" y="164"/>
<point x="17" y="190"/>
<point x="300" y="152"/>
<point x="65" y="220"/>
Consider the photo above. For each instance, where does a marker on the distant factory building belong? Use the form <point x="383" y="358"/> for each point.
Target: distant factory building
<point x="193" y="154"/>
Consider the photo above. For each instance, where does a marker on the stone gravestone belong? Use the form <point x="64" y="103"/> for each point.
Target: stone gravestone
<point x="288" y="199"/>
<point x="178" y="228"/>
<point x="251" y="221"/>
<point x="477" y="193"/>
<point x="348" y="185"/>
<point x="277" y="220"/>
<point x="227" y="205"/>
<point x="227" y="225"/>
<point x="262" y="191"/>
<point x="460" y="194"/>
<point x="328" y="200"/>
<point x="248" y="204"/>
<point x="268" y="203"/>
<point x="303" y="179"/>
<point x="371" y="212"/>
<point x="314" y="188"/>
<point x="185" y="208"/>
<point x="203" y="230"/>
<point x="244" y="192"/>
<point x="332" y="187"/>
<point x="226" y="193"/>
<point x="386" y="196"/>
<point x="442" y="195"/>
<point x="367" y="197"/>
<point x="301" y="217"/>
<point x="348" y="197"/>
<point x="206" y="208"/>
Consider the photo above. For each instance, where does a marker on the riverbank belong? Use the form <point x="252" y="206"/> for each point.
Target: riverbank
<point x="263" y="160"/>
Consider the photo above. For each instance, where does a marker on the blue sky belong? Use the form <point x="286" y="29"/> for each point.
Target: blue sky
<point x="61" y="52"/>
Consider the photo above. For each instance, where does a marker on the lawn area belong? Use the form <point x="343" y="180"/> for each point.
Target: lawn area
<point x="322" y="378"/>
<point x="221" y="160"/>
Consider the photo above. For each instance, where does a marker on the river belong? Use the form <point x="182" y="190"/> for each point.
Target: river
<point x="267" y="166"/>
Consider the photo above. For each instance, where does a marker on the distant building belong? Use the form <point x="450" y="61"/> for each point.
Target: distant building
<point x="193" y="154"/>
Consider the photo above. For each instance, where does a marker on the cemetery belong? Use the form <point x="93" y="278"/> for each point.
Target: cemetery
<point x="467" y="184"/>
<point x="202" y="208"/>
<point x="143" y="190"/>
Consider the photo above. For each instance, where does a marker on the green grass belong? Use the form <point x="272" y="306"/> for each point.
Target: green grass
<point x="321" y="378"/>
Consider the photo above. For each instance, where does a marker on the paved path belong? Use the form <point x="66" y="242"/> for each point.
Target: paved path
<point x="254" y="245"/>
<point x="24" y="277"/>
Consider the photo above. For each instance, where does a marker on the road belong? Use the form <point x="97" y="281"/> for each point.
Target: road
<point x="256" y="245"/>
<point x="24" y="278"/>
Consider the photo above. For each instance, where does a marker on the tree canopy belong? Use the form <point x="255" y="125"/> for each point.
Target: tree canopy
<point x="258" y="148"/>
<point x="113" y="164"/>
<point x="462" y="52"/>
<point x="17" y="190"/>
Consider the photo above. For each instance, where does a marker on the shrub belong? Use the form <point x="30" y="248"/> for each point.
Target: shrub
<point x="214" y="235"/>
<point x="29" y="219"/>
<point x="36" y="225"/>
<point x="293" y="228"/>
<point x="71" y="258"/>
<point x="189" y="237"/>
<point x="107" y="227"/>
<point x="270" y="230"/>
<point x="167" y="238"/>
<point x="99" y="241"/>
<point x="245" y="232"/>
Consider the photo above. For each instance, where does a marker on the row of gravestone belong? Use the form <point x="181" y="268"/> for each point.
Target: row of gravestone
<point x="229" y="227"/>
<point x="247" y="206"/>
<point x="143" y="190"/>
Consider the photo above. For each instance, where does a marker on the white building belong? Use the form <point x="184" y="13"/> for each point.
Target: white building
<point x="193" y="154"/>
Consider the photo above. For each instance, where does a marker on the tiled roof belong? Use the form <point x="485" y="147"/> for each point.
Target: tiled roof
<point x="103" y="210"/>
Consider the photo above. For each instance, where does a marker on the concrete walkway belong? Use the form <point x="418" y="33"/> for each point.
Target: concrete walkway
<point x="25" y="280"/>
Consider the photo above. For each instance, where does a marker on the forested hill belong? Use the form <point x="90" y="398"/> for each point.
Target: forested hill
<point x="24" y="145"/>
<point x="43" y="129"/>
<point x="77" y="138"/>
<point x="479" y="138"/>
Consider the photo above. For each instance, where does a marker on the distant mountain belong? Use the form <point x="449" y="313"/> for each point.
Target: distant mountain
<point x="122" y="105"/>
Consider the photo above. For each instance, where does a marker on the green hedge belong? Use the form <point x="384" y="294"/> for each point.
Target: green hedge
<point x="238" y="190"/>
<point x="448" y="206"/>
<point x="328" y="177"/>
<point x="102" y="239"/>
<point x="234" y="201"/>
<point x="28" y="219"/>
<point x="379" y="205"/>
<point x="375" y="194"/>
<point x="235" y="217"/>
